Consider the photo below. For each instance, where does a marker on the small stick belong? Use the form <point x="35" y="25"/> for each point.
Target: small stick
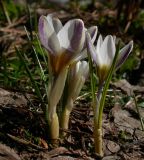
<point x="22" y="141"/>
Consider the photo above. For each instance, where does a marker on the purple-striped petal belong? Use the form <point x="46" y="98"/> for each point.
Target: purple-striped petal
<point x="93" y="32"/>
<point x="90" y="47"/>
<point x="54" y="22"/>
<point x="124" y="53"/>
<point x="72" y="35"/>
<point x="48" y="36"/>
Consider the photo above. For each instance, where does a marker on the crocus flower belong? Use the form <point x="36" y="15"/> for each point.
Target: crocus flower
<point x="103" y="54"/>
<point x="76" y="78"/>
<point x="64" y="43"/>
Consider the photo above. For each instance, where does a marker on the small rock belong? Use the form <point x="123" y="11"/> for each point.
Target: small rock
<point x="113" y="147"/>
<point x="139" y="134"/>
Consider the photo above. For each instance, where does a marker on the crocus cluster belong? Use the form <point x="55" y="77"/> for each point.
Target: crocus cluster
<point x="66" y="46"/>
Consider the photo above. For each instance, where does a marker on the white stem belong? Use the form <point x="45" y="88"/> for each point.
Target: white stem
<point x="56" y="91"/>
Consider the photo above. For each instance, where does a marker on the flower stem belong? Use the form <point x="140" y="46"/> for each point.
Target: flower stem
<point x="92" y="82"/>
<point x="54" y="129"/>
<point x="95" y="104"/>
<point x="98" y="131"/>
<point x="64" y="123"/>
<point x="56" y="86"/>
<point x="98" y="140"/>
<point x="52" y="126"/>
<point x="101" y="101"/>
<point x="64" y="118"/>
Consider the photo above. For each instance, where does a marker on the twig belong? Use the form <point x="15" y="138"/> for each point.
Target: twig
<point x="24" y="142"/>
<point x="16" y="23"/>
<point x="13" y="31"/>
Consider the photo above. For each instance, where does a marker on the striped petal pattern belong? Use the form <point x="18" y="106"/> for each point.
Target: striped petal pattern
<point x="103" y="54"/>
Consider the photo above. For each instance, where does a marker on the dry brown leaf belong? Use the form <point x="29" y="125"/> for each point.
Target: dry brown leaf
<point x="124" y="86"/>
<point x="43" y="143"/>
<point x="111" y="158"/>
<point x="123" y="120"/>
<point x="57" y="151"/>
<point x="6" y="153"/>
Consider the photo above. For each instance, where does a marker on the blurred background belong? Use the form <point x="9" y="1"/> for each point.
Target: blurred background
<point x="123" y="18"/>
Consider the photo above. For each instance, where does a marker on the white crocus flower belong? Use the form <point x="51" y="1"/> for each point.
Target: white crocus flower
<point x="103" y="54"/>
<point x="76" y="78"/>
<point x="64" y="43"/>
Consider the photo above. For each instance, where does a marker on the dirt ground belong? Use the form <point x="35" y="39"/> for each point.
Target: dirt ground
<point x="22" y="131"/>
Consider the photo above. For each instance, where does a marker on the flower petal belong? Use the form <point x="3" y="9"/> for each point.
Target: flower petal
<point x="80" y="79"/>
<point x="78" y="73"/>
<point x="107" y="51"/>
<point x="99" y="43"/>
<point x="90" y="47"/>
<point x="82" y="55"/>
<point x="114" y="38"/>
<point x="72" y="35"/>
<point x="48" y="36"/>
<point x="93" y="32"/>
<point x="124" y="53"/>
<point x="54" y="22"/>
<point x="85" y="69"/>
